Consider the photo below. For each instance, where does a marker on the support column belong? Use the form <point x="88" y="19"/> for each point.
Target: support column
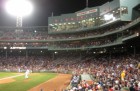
<point x="110" y="55"/>
<point x="26" y="54"/>
<point x="134" y="51"/>
<point x="6" y="54"/>
<point x="53" y="54"/>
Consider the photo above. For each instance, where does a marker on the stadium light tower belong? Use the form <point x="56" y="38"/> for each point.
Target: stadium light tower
<point x="19" y="8"/>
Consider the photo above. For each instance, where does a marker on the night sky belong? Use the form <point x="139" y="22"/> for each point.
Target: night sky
<point x="44" y="8"/>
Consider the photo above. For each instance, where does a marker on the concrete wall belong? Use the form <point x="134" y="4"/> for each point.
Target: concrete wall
<point x="130" y="4"/>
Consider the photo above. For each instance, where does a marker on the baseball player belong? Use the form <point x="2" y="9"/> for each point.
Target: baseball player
<point x="27" y="73"/>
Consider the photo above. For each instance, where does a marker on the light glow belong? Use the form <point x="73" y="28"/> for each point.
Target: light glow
<point x="19" y="7"/>
<point x="108" y="16"/>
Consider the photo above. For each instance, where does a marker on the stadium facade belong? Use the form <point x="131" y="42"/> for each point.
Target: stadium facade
<point x="100" y="27"/>
<point x="103" y="28"/>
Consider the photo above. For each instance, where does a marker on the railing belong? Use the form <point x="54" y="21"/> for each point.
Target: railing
<point x="116" y="42"/>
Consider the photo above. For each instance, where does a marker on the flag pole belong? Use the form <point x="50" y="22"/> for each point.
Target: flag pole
<point x="86" y="3"/>
<point x="52" y="14"/>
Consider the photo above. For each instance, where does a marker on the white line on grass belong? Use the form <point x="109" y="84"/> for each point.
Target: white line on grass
<point x="11" y="77"/>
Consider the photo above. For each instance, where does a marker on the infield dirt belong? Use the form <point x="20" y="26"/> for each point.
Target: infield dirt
<point x="9" y="80"/>
<point x="58" y="83"/>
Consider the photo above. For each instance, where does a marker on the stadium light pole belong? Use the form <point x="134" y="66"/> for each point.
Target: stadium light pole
<point x="19" y="8"/>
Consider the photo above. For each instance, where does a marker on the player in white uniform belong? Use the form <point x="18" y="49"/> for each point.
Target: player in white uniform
<point x="27" y="73"/>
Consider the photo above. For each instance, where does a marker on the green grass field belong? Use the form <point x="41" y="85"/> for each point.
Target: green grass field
<point x="22" y="84"/>
<point x="3" y="74"/>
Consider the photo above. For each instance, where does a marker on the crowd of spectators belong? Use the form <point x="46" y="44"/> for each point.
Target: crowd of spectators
<point x="91" y="42"/>
<point x="109" y="74"/>
<point x="40" y="44"/>
<point x="116" y="74"/>
<point x="83" y="44"/>
<point x="23" y="34"/>
<point x="72" y="44"/>
<point x="16" y="63"/>
<point x="68" y="44"/>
